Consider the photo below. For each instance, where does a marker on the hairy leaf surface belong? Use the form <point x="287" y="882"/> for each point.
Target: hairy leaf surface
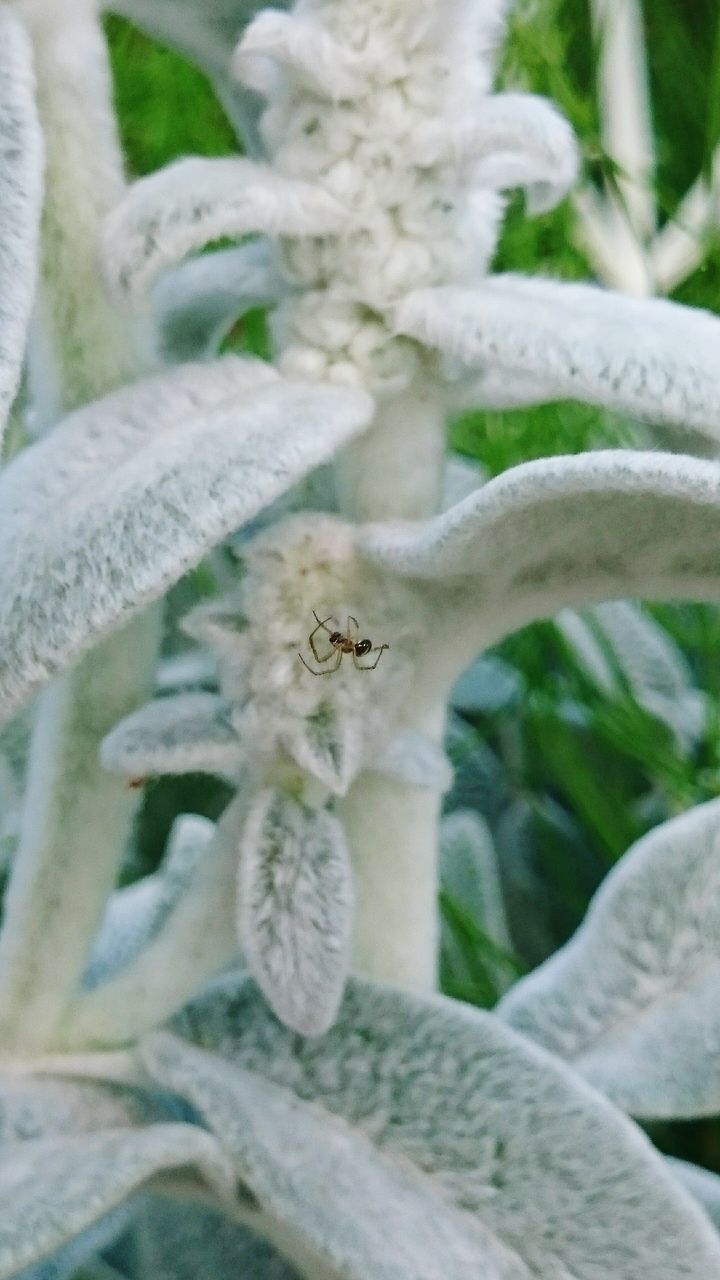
<point x="632" y="1000"/>
<point x="486" y="1155"/>
<point x="295" y="908"/>
<point x="21" y="162"/>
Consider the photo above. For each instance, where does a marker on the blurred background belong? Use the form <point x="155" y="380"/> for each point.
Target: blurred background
<point x="576" y="736"/>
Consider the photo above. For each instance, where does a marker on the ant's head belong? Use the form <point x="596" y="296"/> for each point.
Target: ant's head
<point x="337" y="638"/>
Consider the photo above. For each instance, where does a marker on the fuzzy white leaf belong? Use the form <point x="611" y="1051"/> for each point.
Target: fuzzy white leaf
<point x="515" y="140"/>
<point x="195" y="940"/>
<point x="101" y="436"/>
<point x="191" y="669"/>
<point x="295" y="909"/>
<point x="21" y="201"/>
<point x="328" y="746"/>
<point x="650" y="358"/>
<point x="53" y="1189"/>
<point x="493" y="390"/>
<point x="176" y="1241"/>
<point x="21" y="162"/>
<point x="196" y="305"/>
<point x="125" y="523"/>
<point x="187" y="733"/>
<point x="34" y="1107"/>
<point x="702" y="1185"/>
<point x="185" y="206"/>
<point x="565" y="531"/>
<point x="135" y="915"/>
<point x="632" y="1000"/>
<point x="488" y="1157"/>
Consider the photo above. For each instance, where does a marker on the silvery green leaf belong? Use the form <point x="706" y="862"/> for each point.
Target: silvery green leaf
<point x="21" y="162"/>
<point x="564" y="531"/>
<point x="102" y="435"/>
<point x="516" y="140"/>
<point x="190" y="203"/>
<point x="196" y="305"/>
<point x="489" y="686"/>
<point x="176" y="1241"/>
<point x="632" y="1000"/>
<point x="185" y="733"/>
<point x="79" y="1254"/>
<point x="703" y="1186"/>
<point x="588" y="649"/>
<point x="469" y="872"/>
<point x="191" y="669"/>
<point x="45" y="1107"/>
<point x="650" y="358"/>
<point x="487" y="1156"/>
<point x="328" y="746"/>
<point x="476" y="946"/>
<point x="206" y="31"/>
<point x="126" y="514"/>
<point x="648" y="659"/>
<point x="134" y="915"/>
<point x="194" y="941"/>
<point x="481" y="782"/>
<point x="528" y="903"/>
<point x="53" y="1189"/>
<point x="295" y="908"/>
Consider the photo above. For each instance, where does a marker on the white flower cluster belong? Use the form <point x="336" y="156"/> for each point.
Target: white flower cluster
<point x="327" y="726"/>
<point x="383" y="106"/>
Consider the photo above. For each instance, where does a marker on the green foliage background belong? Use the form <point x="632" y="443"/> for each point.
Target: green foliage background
<point x="594" y="771"/>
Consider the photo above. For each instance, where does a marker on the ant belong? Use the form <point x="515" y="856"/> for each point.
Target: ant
<point x="342" y="644"/>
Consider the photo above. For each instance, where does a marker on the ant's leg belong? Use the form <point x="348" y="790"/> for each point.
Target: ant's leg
<point x="330" y="672"/>
<point x="355" y="626"/>
<point x="379" y="650"/>
<point x="311" y="640"/>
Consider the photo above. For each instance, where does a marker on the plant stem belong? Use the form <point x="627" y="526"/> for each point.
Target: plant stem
<point x="76" y="818"/>
<point x="396" y="472"/>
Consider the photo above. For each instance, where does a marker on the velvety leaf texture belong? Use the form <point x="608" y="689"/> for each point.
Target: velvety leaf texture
<point x="53" y="1189"/>
<point x="569" y="531"/>
<point x="651" y="358"/>
<point x="295" y="908"/>
<point x="632" y="1000"/>
<point x="134" y="915"/>
<point x="189" y="204"/>
<point x="127" y="512"/>
<point x="196" y="305"/>
<point x="21" y="161"/>
<point x="415" y="1111"/>
<point x="188" y="733"/>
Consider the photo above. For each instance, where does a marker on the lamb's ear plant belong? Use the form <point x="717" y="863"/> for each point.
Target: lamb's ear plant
<point x="345" y="1127"/>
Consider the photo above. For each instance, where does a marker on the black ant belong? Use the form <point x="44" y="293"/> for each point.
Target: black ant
<point x="340" y="645"/>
